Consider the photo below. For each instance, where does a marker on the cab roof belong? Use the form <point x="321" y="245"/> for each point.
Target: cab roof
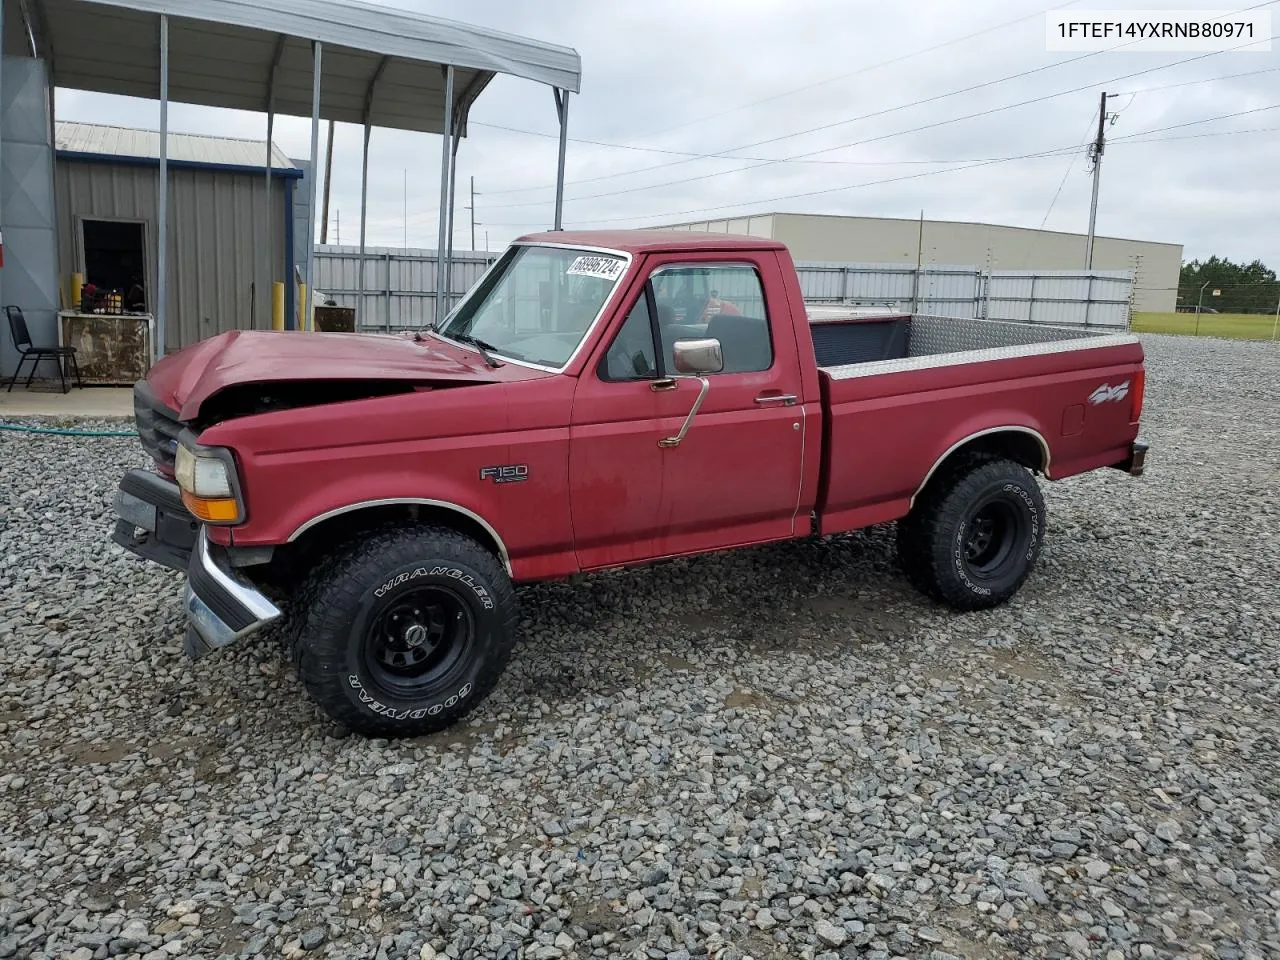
<point x="652" y="241"/>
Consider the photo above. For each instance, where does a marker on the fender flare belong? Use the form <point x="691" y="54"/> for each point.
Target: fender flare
<point x="1007" y="428"/>
<point x="462" y="511"/>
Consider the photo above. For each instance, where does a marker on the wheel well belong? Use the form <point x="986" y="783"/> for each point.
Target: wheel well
<point x="291" y="560"/>
<point x="1017" y="444"/>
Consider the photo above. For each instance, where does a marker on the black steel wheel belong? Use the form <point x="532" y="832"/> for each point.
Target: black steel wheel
<point x="404" y="633"/>
<point x="416" y="638"/>
<point x="974" y="534"/>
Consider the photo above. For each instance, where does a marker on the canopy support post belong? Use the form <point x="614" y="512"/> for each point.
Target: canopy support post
<point x="562" y="114"/>
<point x="304" y="309"/>
<point x="446" y="158"/>
<point x="364" y="199"/>
<point x="162" y="201"/>
<point x="271" y="221"/>
<point x="453" y="179"/>
<point x="364" y="192"/>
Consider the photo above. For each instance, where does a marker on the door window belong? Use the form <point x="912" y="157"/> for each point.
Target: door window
<point x="721" y="301"/>
<point x="631" y="356"/>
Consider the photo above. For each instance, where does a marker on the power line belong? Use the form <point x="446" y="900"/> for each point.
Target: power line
<point x="1069" y="149"/>
<point x="933" y="99"/>
<point x="726" y="154"/>
<point x="1197" y="136"/>
<point x="754" y="103"/>
<point x="699" y="155"/>
<point x="1059" y="151"/>
<point x="1187" y="83"/>
<point x="886" y="136"/>
<point x="866" y="69"/>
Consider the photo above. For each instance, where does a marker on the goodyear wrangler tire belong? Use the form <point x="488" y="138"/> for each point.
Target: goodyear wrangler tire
<point x="974" y="534"/>
<point x="406" y="633"/>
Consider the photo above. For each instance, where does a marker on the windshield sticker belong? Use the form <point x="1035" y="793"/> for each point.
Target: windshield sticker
<point x="605" y="268"/>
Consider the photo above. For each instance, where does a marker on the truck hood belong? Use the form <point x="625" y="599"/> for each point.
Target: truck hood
<point x="185" y="380"/>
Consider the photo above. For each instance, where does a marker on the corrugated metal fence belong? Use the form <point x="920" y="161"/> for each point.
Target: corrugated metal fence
<point x="400" y="288"/>
<point x="1092" y="298"/>
<point x="399" y="284"/>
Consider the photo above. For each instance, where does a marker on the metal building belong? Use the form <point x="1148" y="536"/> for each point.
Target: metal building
<point x="841" y="239"/>
<point x="342" y="60"/>
<point x="226" y="244"/>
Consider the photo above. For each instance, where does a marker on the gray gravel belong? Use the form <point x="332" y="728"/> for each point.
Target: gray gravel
<point x="782" y="752"/>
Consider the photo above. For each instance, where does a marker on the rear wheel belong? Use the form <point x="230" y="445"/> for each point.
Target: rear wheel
<point x="405" y="633"/>
<point x="974" y="534"/>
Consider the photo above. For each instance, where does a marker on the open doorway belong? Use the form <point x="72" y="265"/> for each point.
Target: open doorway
<point x="115" y="260"/>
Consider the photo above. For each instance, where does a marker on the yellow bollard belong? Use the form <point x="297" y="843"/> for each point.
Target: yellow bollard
<point x="77" y="290"/>
<point x="304" y="314"/>
<point x="277" y="305"/>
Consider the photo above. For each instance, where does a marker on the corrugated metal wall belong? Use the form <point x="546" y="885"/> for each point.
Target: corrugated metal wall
<point x="994" y="247"/>
<point x="1063" y="297"/>
<point x="29" y="277"/>
<point x="220" y="258"/>
<point x="399" y="284"/>
<point x="1099" y="298"/>
<point x="945" y="290"/>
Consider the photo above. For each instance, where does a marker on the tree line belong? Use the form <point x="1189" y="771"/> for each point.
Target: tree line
<point x="1242" y="287"/>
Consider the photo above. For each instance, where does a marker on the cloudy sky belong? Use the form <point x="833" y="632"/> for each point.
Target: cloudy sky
<point x="1193" y="154"/>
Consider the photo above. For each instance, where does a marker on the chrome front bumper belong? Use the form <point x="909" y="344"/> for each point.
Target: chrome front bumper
<point x="221" y="606"/>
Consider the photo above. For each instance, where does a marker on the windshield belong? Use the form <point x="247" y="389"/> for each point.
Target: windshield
<point x="537" y="303"/>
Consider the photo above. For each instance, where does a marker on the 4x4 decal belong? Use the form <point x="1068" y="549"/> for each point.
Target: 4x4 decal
<point x="1109" y="394"/>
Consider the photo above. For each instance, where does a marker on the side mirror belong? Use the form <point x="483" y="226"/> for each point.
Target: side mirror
<point x="698" y="357"/>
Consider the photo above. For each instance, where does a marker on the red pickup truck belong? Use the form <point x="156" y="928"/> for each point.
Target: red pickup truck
<point x="598" y="399"/>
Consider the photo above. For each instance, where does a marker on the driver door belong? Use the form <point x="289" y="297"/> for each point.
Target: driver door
<point x="615" y="464"/>
<point x="735" y="477"/>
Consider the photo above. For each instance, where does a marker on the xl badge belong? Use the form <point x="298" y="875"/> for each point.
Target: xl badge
<point x="508" y="473"/>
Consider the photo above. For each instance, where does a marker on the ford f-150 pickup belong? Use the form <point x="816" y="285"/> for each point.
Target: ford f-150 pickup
<point x="597" y="400"/>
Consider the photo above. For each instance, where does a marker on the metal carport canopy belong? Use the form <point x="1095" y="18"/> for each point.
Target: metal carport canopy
<point x="381" y="66"/>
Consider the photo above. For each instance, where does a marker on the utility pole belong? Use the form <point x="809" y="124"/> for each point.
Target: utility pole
<point x="472" y="208"/>
<point x="328" y="175"/>
<point x="1095" y="154"/>
<point x="915" y="284"/>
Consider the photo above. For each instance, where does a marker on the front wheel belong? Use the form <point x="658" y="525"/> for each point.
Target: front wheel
<point x="974" y="534"/>
<point x="406" y="633"/>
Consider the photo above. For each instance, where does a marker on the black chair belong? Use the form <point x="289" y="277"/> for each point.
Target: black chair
<point x="22" y="340"/>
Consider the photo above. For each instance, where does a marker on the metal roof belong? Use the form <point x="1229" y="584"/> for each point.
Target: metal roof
<point x="643" y="240"/>
<point x="107" y="141"/>
<point x="226" y="53"/>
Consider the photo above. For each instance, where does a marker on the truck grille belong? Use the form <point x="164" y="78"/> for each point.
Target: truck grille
<point x="158" y="426"/>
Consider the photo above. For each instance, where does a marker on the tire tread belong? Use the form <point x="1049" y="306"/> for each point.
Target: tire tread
<point x="333" y="589"/>
<point x="923" y="538"/>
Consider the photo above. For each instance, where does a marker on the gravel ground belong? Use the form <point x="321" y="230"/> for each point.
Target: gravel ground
<point x="774" y="753"/>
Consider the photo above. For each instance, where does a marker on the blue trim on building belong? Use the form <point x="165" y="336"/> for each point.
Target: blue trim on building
<point x="284" y="173"/>
<point x="290" y="285"/>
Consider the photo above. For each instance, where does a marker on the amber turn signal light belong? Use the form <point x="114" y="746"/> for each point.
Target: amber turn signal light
<point x="212" y="510"/>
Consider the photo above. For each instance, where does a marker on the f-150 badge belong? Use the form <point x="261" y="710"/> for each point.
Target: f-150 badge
<point x="507" y="473"/>
<point x="1107" y="393"/>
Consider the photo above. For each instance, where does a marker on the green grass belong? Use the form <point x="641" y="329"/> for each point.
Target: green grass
<point x="1236" y="326"/>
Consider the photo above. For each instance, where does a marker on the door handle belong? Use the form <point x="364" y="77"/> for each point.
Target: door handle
<point x="786" y="399"/>
<point x="668" y="384"/>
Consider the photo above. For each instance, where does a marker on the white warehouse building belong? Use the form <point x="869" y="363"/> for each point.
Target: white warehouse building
<point x="848" y="239"/>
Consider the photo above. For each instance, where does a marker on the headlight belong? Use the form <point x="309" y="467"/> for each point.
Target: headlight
<point x="207" y="478"/>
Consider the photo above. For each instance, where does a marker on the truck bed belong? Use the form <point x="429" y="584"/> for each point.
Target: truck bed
<point x="900" y="392"/>
<point x="844" y="338"/>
